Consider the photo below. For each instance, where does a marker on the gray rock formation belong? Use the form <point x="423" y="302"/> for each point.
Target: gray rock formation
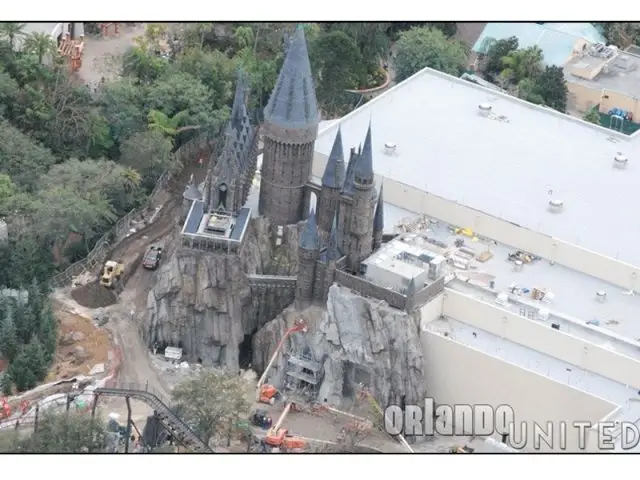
<point x="202" y="301"/>
<point x="358" y="341"/>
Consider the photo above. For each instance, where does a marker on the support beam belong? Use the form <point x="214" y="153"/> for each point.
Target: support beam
<point x="37" y="417"/>
<point x="95" y="405"/>
<point x="129" y="421"/>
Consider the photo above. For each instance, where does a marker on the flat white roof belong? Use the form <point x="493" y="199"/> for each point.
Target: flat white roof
<point x="542" y="364"/>
<point x="575" y="300"/>
<point x="504" y="168"/>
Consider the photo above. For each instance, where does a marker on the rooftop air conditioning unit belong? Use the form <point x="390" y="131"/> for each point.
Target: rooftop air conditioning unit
<point x="484" y="109"/>
<point x="390" y="148"/>
<point x="620" y="161"/>
<point x="556" y="206"/>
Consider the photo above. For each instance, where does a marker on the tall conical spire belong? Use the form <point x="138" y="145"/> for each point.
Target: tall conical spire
<point x="293" y="101"/>
<point x="347" y="187"/>
<point x="309" y="240"/>
<point x="378" y="218"/>
<point x="333" y="252"/>
<point x="239" y="110"/>
<point x="364" y="166"/>
<point x="334" y="171"/>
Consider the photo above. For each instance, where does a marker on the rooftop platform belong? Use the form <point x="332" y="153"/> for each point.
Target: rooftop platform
<point x="574" y="304"/>
<point x="542" y="364"/>
<point x="522" y="152"/>
<point x="207" y="229"/>
<point x="622" y="73"/>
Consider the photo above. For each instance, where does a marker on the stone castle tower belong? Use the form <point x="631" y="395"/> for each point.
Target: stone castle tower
<point x="229" y="179"/>
<point x="350" y="212"/>
<point x="290" y="127"/>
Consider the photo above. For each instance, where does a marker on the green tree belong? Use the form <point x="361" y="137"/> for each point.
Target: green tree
<point x="149" y="153"/>
<point x="11" y="31"/>
<point x="40" y="44"/>
<point x="183" y="92"/>
<point x="9" y="345"/>
<point x="371" y="39"/>
<point x="211" y="401"/>
<point x="592" y="116"/>
<point x="338" y="66"/>
<point x="20" y="158"/>
<point x="9" y="91"/>
<point x="48" y="332"/>
<point x="123" y="105"/>
<point x="143" y="65"/>
<point x="21" y="373"/>
<point x="521" y="64"/>
<point x="552" y="87"/>
<point x="60" y="433"/>
<point x="496" y="53"/>
<point x="170" y="126"/>
<point x="244" y="37"/>
<point x="6" y="384"/>
<point x="36" y="358"/>
<point x="428" y="47"/>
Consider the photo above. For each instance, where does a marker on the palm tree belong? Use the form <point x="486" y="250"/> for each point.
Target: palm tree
<point x="170" y="126"/>
<point x="520" y="64"/>
<point x="132" y="179"/>
<point x="11" y="31"/>
<point x="39" y="44"/>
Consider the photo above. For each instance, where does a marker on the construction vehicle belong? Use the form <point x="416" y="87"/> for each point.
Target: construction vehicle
<point x="152" y="257"/>
<point x="268" y="393"/>
<point x="111" y="273"/>
<point x="280" y="438"/>
<point x="364" y="393"/>
<point x="261" y="418"/>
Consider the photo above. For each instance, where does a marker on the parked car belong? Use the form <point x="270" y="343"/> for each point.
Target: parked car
<point x="152" y="257"/>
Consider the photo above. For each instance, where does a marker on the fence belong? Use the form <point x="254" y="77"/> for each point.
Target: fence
<point x="114" y="236"/>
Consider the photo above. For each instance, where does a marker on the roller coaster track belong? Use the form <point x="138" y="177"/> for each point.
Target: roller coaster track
<point x="174" y="425"/>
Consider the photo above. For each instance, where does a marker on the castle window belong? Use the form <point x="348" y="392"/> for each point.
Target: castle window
<point x="222" y="195"/>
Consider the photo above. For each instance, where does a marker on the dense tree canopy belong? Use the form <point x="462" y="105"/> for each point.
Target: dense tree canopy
<point x="428" y="47"/>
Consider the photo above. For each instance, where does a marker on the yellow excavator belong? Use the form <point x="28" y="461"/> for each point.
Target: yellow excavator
<point x="111" y="273"/>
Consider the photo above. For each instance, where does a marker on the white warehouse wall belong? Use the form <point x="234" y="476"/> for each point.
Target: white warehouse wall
<point x="432" y="310"/>
<point x="460" y="374"/>
<point x="540" y="337"/>
<point x="564" y="253"/>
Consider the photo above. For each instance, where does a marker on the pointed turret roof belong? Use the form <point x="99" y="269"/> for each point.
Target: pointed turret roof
<point x="349" y="175"/>
<point x="378" y="219"/>
<point x="239" y="110"/>
<point x="333" y="252"/>
<point x="293" y="101"/>
<point x="334" y="172"/>
<point x="364" y="166"/>
<point x="310" y="240"/>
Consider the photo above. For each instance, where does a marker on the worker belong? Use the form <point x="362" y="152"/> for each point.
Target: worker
<point x="201" y="161"/>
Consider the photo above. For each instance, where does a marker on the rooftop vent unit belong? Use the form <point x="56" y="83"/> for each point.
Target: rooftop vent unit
<point x="620" y="161"/>
<point x="556" y="206"/>
<point x="484" y="109"/>
<point x="390" y="148"/>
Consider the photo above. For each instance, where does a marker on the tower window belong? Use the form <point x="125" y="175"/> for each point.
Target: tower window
<point x="222" y="195"/>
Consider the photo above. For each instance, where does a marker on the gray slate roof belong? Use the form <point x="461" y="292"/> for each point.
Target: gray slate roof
<point x="363" y="169"/>
<point x="334" y="173"/>
<point x="378" y="219"/>
<point x="333" y="252"/>
<point x="309" y="240"/>
<point x="293" y="101"/>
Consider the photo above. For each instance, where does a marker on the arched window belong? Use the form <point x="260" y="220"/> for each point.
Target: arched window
<point x="222" y="195"/>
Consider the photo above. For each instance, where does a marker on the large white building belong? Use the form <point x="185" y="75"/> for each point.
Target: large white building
<point x="528" y="178"/>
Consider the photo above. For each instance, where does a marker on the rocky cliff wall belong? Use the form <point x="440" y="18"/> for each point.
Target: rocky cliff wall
<point x="201" y="301"/>
<point x="358" y="341"/>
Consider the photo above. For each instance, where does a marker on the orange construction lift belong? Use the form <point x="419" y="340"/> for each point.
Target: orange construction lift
<point x="278" y="437"/>
<point x="267" y="393"/>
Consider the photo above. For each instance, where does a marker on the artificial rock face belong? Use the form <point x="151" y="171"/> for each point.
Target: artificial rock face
<point x="358" y="341"/>
<point x="202" y="301"/>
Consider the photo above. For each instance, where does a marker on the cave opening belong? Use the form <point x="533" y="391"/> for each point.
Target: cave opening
<point x="245" y="353"/>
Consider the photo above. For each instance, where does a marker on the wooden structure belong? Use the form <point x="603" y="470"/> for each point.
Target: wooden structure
<point x="105" y="28"/>
<point x="72" y="50"/>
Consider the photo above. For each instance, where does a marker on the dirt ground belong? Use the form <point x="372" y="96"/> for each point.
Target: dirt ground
<point x="94" y="342"/>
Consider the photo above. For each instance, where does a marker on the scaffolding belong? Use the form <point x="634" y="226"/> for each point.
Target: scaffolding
<point x="303" y="375"/>
<point x="72" y="50"/>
